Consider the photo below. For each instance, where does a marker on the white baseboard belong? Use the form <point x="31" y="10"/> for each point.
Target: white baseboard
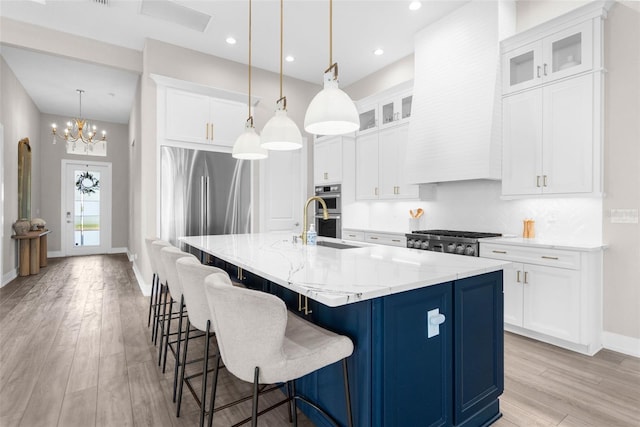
<point x="119" y="251"/>
<point x="144" y="287"/>
<point x="621" y="343"/>
<point x="8" y="277"/>
<point x="55" y="254"/>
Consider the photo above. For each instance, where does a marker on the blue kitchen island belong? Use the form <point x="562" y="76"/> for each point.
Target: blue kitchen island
<point x="427" y="326"/>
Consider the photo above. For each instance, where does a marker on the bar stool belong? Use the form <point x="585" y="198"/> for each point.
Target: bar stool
<point x="260" y="341"/>
<point x="163" y="290"/>
<point x="148" y="241"/>
<point x="192" y="274"/>
<point x="169" y="256"/>
<point x="156" y="286"/>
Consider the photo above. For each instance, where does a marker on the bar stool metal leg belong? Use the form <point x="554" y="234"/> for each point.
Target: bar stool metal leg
<point x="347" y="395"/>
<point x="254" y="409"/>
<point x="153" y="286"/>
<point x="178" y="358"/>
<point x="184" y="359"/>
<point x="205" y="368"/>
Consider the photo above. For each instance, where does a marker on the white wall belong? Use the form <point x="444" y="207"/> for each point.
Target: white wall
<point x="20" y="118"/>
<point x="476" y="206"/>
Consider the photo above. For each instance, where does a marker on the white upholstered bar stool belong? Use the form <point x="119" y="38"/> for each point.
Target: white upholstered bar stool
<point x="161" y="317"/>
<point x="260" y="341"/>
<point x="148" y="241"/>
<point x="168" y="256"/>
<point x="156" y="286"/>
<point x="192" y="274"/>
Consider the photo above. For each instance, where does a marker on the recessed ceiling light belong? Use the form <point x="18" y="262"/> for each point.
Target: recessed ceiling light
<point x="378" y="52"/>
<point x="231" y="40"/>
<point x="415" y="5"/>
<point x="289" y="58"/>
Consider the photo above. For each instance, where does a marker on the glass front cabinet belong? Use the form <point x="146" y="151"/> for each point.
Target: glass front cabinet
<point x="396" y="110"/>
<point x="559" y="55"/>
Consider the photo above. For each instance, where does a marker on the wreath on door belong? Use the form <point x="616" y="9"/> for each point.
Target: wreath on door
<point x="87" y="183"/>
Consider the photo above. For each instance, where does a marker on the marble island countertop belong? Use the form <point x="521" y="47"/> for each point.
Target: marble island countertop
<point x="337" y="277"/>
<point x="548" y="243"/>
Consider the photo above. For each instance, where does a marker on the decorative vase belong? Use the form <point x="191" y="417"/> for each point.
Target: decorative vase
<point x="38" y="224"/>
<point x="21" y="227"/>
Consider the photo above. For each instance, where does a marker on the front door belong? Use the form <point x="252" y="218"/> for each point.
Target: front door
<point x="86" y="207"/>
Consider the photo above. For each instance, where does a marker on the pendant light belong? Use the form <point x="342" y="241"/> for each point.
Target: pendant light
<point x="280" y="132"/>
<point x="331" y="111"/>
<point x="247" y="146"/>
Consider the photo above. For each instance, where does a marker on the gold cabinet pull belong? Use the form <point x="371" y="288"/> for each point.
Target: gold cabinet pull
<point x="550" y="257"/>
<point x="373" y="238"/>
<point x="537" y="180"/>
<point x="207" y="126"/>
<point x="544" y="180"/>
<point x="525" y="278"/>
<point x="518" y="276"/>
<point x="499" y="252"/>
<point x="375" y="191"/>
<point x="326" y="176"/>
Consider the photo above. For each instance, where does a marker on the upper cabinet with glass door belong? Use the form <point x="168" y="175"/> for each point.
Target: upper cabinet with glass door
<point x="388" y="108"/>
<point x="396" y="110"/>
<point x="561" y="54"/>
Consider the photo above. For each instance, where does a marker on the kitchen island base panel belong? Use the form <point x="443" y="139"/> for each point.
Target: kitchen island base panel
<point x="398" y="375"/>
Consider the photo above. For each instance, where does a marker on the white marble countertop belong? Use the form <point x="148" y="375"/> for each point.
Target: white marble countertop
<point x="548" y="243"/>
<point x="337" y="277"/>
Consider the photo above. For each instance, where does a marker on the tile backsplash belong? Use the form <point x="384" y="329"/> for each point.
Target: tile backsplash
<point x="476" y="206"/>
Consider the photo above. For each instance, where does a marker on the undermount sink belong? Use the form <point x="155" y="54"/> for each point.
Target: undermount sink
<point x="335" y="245"/>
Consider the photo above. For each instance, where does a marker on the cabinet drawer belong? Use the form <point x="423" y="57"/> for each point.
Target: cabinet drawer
<point x="539" y="256"/>
<point x="386" y="239"/>
<point x="353" y="235"/>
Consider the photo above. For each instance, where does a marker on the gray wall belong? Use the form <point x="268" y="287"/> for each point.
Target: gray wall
<point x="20" y="118"/>
<point x="117" y="155"/>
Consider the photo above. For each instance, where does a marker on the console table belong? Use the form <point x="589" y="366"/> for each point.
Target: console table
<point x="33" y="251"/>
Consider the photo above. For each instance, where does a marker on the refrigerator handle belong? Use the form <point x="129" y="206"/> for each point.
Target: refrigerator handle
<point x="202" y="219"/>
<point x="206" y="205"/>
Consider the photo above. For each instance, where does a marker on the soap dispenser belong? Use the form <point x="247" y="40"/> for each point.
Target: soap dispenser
<point x="312" y="236"/>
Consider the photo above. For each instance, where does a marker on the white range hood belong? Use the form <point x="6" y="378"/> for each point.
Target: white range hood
<point x="455" y="128"/>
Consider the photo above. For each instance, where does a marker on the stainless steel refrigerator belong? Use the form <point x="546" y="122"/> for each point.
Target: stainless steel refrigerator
<point x="203" y="192"/>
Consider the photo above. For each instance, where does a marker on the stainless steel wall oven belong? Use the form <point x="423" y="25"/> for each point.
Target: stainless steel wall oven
<point x="332" y="196"/>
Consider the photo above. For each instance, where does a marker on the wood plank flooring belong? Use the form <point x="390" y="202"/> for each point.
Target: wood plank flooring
<point x="75" y="350"/>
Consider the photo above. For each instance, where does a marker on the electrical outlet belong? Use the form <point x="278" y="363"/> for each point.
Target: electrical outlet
<point x="624" y="216"/>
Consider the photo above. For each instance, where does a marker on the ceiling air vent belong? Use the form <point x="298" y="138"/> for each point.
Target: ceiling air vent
<point x="102" y="2"/>
<point x="172" y="12"/>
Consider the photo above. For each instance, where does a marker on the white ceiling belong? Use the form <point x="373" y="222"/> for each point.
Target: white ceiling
<point x="359" y="27"/>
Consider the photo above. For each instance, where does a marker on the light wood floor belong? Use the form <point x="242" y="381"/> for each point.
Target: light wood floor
<point x="75" y="351"/>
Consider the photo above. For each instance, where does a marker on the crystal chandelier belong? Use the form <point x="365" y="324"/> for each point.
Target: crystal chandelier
<point x="75" y="131"/>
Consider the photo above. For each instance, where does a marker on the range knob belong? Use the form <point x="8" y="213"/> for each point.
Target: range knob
<point x="451" y="247"/>
<point x="410" y="243"/>
<point x="424" y="245"/>
<point x="459" y="249"/>
<point x="469" y="250"/>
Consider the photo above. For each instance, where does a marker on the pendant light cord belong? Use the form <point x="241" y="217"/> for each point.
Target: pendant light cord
<point x="281" y="43"/>
<point x="330" y="33"/>
<point x="249" y="103"/>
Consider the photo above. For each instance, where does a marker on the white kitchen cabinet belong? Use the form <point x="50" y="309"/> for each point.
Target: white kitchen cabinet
<point x="367" y="166"/>
<point x="392" y="149"/>
<point x="193" y="117"/>
<point x="552" y="295"/>
<point x="549" y="141"/>
<point x="389" y="239"/>
<point x="327" y="161"/>
<point x="380" y="169"/>
<point x="559" y="55"/>
<point x="351" y="234"/>
<point x="395" y="110"/>
<point x="368" y="112"/>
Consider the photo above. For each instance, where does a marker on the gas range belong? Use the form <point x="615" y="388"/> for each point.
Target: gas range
<point x="447" y="241"/>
